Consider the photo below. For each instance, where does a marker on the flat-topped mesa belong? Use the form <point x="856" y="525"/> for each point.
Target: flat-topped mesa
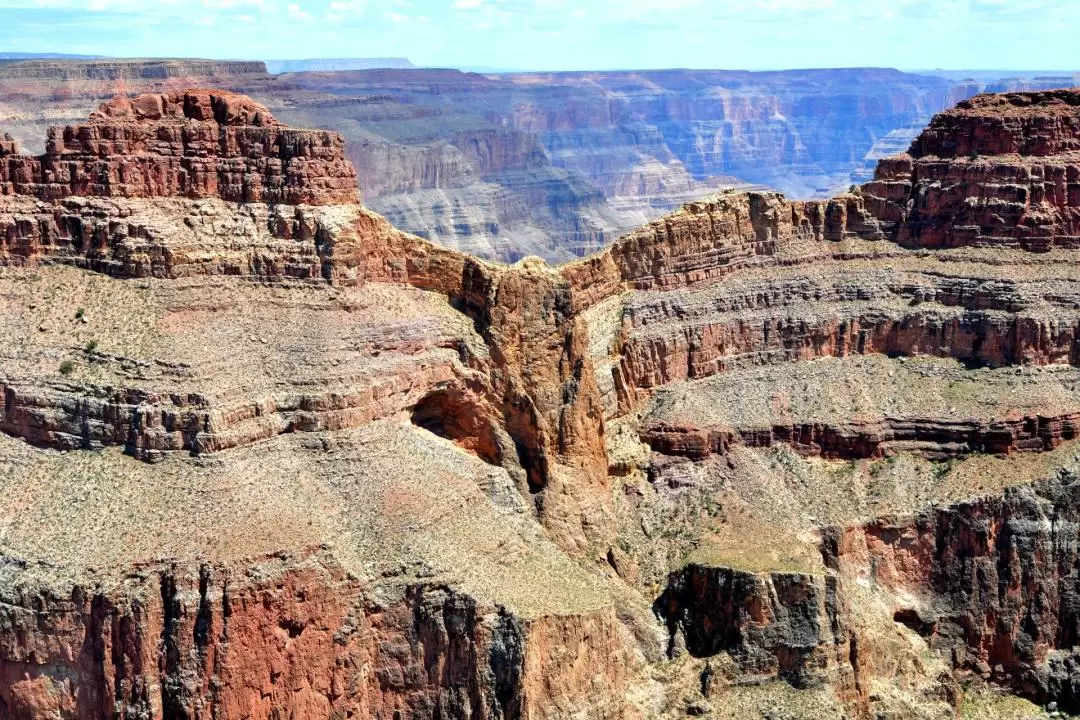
<point x="1038" y="124"/>
<point x="192" y="144"/>
<point x="74" y="71"/>
<point x="995" y="170"/>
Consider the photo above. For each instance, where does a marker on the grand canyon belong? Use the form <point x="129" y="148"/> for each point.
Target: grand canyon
<point x="556" y="165"/>
<point x="351" y="389"/>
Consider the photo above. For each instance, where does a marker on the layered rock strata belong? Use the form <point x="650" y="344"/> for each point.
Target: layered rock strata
<point x="997" y="170"/>
<point x="174" y="350"/>
<point x="700" y="319"/>
<point x="867" y="407"/>
<point x="388" y="478"/>
<point x="988" y="583"/>
<point x="193" y="144"/>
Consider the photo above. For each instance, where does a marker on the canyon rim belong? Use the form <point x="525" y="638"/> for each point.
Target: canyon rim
<point x="267" y="456"/>
<point x="372" y="388"/>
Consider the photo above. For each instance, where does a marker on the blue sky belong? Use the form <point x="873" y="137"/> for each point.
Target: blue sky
<point x="565" y="34"/>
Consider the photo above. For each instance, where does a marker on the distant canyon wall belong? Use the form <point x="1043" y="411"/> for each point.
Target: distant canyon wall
<point x="556" y="165"/>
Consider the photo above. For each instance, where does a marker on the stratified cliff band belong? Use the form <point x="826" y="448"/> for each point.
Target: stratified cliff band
<point x="268" y="456"/>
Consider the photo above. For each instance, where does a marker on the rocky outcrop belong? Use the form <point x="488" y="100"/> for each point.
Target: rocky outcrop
<point x="604" y="152"/>
<point x="996" y="170"/>
<point x="391" y="478"/>
<point x="290" y="635"/>
<point x="150" y="424"/>
<point x="780" y="624"/>
<point x="533" y="164"/>
<point x="935" y="438"/>
<point x="989" y="582"/>
<point x="193" y="144"/>
<point x="1039" y="124"/>
<point x="701" y="324"/>
<point x="535" y="380"/>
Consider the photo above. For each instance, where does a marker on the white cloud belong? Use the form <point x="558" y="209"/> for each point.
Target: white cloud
<point x="347" y="7"/>
<point x="587" y="33"/>
<point x="298" y="13"/>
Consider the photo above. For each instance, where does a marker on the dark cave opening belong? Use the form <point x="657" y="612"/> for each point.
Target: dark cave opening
<point x="453" y="415"/>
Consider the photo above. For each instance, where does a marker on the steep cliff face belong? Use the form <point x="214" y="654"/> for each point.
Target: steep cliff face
<point x="607" y="152"/>
<point x="193" y="144"/>
<point x="777" y="359"/>
<point x="295" y="635"/>
<point x="556" y="166"/>
<point x="312" y="465"/>
<point x="300" y="222"/>
<point x="996" y="170"/>
<point x="989" y="583"/>
<point x="779" y="624"/>
<point x="476" y="373"/>
<point x="762" y="127"/>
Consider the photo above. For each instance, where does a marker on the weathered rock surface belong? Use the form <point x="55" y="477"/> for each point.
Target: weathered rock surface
<point x="699" y="319"/>
<point x="310" y="465"/>
<point x="193" y="144"/>
<point x="867" y="407"/>
<point x="164" y="350"/>
<point x="360" y="617"/>
<point x="780" y="624"/>
<point x="990" y="583"/>
<point x="604" y="152"/>
<point x="996" y="170"/>
<point x="556" y="165"/>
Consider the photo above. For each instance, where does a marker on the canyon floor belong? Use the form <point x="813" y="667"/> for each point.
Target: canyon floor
<point x="266" y="455"/>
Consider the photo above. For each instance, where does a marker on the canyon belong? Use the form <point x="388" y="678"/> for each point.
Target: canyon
<point x="757" y="458"/>
<point x="555" y="165"/>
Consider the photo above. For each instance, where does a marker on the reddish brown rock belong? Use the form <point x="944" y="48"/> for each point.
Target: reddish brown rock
<point x="935" y="438"/>
<point x="1040" y="124"/>
<point x="996" y="170"/>
<point x="8" y="146"/>
<point x="991" y="581"/>
<point x="199" y="214"/>
<point x="297" y="636"/>
<point x="195" y="144"/>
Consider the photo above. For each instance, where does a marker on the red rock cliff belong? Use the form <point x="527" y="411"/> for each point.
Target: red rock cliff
<point x="996" y="170"/>
<point x="194" y="144"/>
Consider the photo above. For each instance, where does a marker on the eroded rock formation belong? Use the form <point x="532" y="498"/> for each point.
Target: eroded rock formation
<point x="311" y="465"/>
<point x="193" y="144"/>
<point x="988" y="582"/>
<point x="996" y="170"/>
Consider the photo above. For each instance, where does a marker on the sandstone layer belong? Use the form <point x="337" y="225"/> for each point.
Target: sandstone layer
<point x="211" y="230"/>
<point x="785" y="458"/>
<point x="553" y="165"/>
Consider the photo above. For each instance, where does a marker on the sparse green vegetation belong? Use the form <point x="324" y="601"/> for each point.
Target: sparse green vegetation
<point x="91" y="346"/>
<point x="882" y="467"/>
<point x="67" y="367"/>
<point x="943" y="469"/>
<point x="80" y="313"/>
<point x="987" y="704"/>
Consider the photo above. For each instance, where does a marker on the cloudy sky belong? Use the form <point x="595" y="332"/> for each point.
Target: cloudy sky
<point x="565" y="34"/>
